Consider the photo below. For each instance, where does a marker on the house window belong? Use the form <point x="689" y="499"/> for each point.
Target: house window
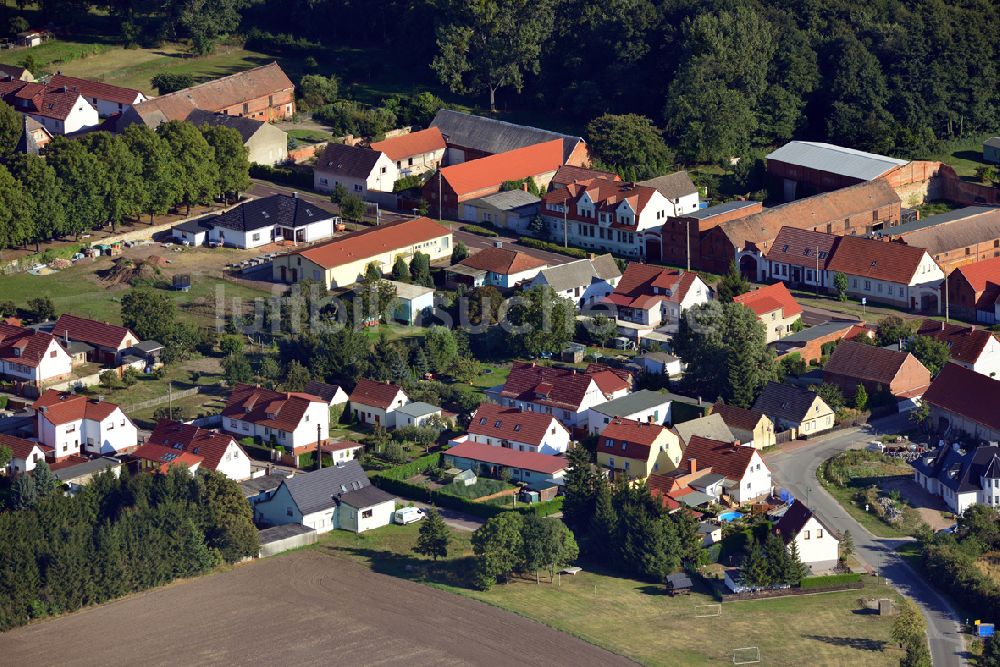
<point x="288" y="511"/>
<point x="819" y="533"/>
<point x="805" y="534"/>
<point x="246" y="107"/>
<point x="366" y="514"/>
<point x="255" y="237"/>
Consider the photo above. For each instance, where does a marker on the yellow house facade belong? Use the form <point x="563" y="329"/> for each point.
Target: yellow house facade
<point x="634" y="450"/>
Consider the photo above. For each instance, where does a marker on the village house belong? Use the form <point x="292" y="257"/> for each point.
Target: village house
<point x="342" y="261"/>
<point x="680" y="234"/>
<point x="974" y="291"/>
<point x="341" y="497"/>
<point x="679" y="191"/>
<point x="569" y="174"/>
<point x="804" y="168"/>
<point x="34" y="137"/>
<point x="955" y="238"/>
<point x="658" y="363"/>
<point x="809" y="342"/>
<point x="30" y="359"/>
<point x="331" y="394"/>
<point x="801" y="411"/>
<point x="414" y="153"/>
<point x="358" y="169"/>
<point x="259" y="222"/>
<point x="650" y="297"/>
<point x="633" y="450"/>
<point x="109" y="343"/>
<point x="377" y="402"/>
<point x="878" y="369"/>
<point x="24" y="454"/>
<point x="107" y="99"/>
<point x="150" y="458"/>
<point x="59" y="109"/>
<point x="567" y="394"/>
<point x="472" y="137"/>
<point x="342" y="451"/>
<point x="859" y="209"/>
<point x="964" y="401"/>
<point x="712" y="426"/>
<point x="775" y="307"/>
<point x="263" y="93"/>
<point x="644" y="405"/>
<point x="416" y="413"/>
<point x="15" y="72"/>
<point x="582" y="281"/>
<point x="749" y="426"/>
<point x="976" y="349"/>
<point x="467" y="181"/>
<point x="76" y="476"/>
<point x="516" y="429"/>
<point x="961" y="477"/>
<point x="537" y="471"/>
<point x="293" y="420"/>
<point x="219" y="451"/>
<point x="817" y="546"/>
<point x="414" y="301"/>
<point x="73" y="424"/>
<point x="512" y="210"/>
<point x="266" y="143"/>
<point x="745" y="477"/>
<point x="497" y="267"/>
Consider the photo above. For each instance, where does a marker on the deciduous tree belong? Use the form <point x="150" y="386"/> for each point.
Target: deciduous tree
<point x="434" y="536"/>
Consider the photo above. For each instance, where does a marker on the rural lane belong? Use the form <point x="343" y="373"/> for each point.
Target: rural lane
<point x="794" y="468"/>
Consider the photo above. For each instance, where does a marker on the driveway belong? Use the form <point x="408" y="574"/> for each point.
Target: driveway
<point x="794" y="468"/>
<point x="454" y="518"/>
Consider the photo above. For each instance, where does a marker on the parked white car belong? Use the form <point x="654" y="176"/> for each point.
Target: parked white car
<point x="408" y="515"/>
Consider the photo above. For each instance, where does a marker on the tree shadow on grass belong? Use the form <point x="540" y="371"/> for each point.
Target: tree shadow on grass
<point x="450" y="572"/>
<point x="857" y="643"/>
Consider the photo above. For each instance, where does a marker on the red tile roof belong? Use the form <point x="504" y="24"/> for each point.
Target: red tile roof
<point x="515" y="165"/>
<point x="209" y="445"/>
<point x="374" y="241"/>
<point x="91" y="332"/>
<point x="879" y="260"/>
<point x="21" y="345"/>
<point x="475" y="451"/>
<point x="769" y="299"/>
<point x="966" y="344"/>
<point x="642" y="285"/>
<point x="737" y="417"/>
<point x="376" y="394"/>
<point x="981" y="274"/>
<point x="512" y="424"/>
<point x="62" y="407"/>
<point x="166" y="456"/>
<point x="802" y="247"/>
<point x="967" y="393"/>
<point x="725" y="458"/>
<point x="39" y="99"/>
<point x="569" y="173"/>
<point x="414" y="143"/>
<point x="557" y="387"/>
<point x="96" y="89"/>
<point x="503" y="261"/>
<point x="606" y="194"/>
<point x="279" y="410"/>
<point x="340" y="446"/>
<point x="19" y="447"/>
<point x="629" y="438"/>
<point x="870" y="363"/>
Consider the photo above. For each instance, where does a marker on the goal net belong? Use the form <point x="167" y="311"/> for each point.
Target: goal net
<point x="707" y="610"/>
<point x="748" y="655"/>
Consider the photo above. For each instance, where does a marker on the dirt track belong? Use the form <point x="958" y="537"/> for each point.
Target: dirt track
<point x="305" y="608"/>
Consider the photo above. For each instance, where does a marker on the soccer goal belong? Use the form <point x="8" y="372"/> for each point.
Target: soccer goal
<point x="748" y="655"/>
<point x="707" y="610"/>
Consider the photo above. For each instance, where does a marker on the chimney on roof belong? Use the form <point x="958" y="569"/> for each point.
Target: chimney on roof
<point x="498" y="244"/>
<point x="692" y="465"/>
<point x="100" y="398"/>
<point x="736" y="443"/>
<point x="295" y="194"/>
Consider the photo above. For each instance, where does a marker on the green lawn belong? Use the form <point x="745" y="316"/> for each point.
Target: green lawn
<point x="863" y="475"/>
<point x="309" y="136"/>
<point x="965" y="155"/>
<point x="637" y="620"/>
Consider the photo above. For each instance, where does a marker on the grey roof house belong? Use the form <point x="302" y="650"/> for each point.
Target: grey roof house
<point x="961" y="477"/>
<point x="265" y="143"/>
<point x="513" y="210"/>
<point x="583" y="281"/>
<point x="991" y="150"/>
<point x="644" y="405"/>
<point x="791" y="408"/>
<point x="672" y="186"/>
<point x="712" y="427"/>
<point x="470" y="137"/>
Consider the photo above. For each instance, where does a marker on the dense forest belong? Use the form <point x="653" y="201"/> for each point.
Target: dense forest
<point x="720" y="77"/>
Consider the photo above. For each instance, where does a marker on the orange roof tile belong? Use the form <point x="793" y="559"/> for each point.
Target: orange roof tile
<point x="503" y="261"/>
<point x="414" y="143"/>
<point x="62" y="407"/>
<point x="981" y="274"/>
<point x="629" y="438"/>
<point x="870" y="258"/>
<point x="769" y="299"/>
<point x="373" y="241"/>
<point x="514" y="165"/>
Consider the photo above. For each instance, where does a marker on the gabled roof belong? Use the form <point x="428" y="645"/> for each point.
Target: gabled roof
<point x="643" y="285"/>
<point x="557" y="387"/>
<point x="871" y="258"/>
<point x="502" y="261"/>
<point x="629" y="438"/>
<point x="802" y="247"/>
<point x="966" y="393"/>
<point x="711" y="426"/>
<point x="494" y="421"/>
<point x="166" y="456"/>
<point x="868" y="362"/>
<point x="835" y="159"/>
<point x="725" y="458"/>
<point x="247" y="127"/>
<point x="827" y="207"/>
<point x="785" y="401"/>
<point x="736" y="417"/>
<point x="365" y="497"/>
<point x="606" y="195"/>
<point x="630" y="404"/>
<point x="966" y="344"/>
<point x="413" y="143"/>
<point x="960" y="229"/>
<point x="581" y="273"/>
<point x="60" y="407"/>
<point x="91" y="332"/>
<point x="40" y="99"/>
<point x="672" y="186"/>
<point x="97" y="89"/>
<point x="19" y="447"/>
<point x="14" y="71"/>
<point x="374" y="241"/>
<point x="417" y="409"/>
<point x="321" y="389"/>
<point x="510" y="200"/>
<point x="769" y="299"/>
<point x="569" y="173"/>
<point x="543" y="463"/>
<point x="279" y="410"/>
<point x="209" y="445"/>
<point x="961" y="470"/>
<point x="321" y="489"/>
<point x="374" y="394"/>
<point x="494" y="170"/>
<point x="344" y="160"/>
<point x="274" y="210"/>
<point x="794" y="520"/>
<point x="979" y="275"/>
<point x="496" y="136"/>
<point x="23" y="345"/>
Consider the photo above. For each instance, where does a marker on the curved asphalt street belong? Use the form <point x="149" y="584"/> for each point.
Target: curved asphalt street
<point x="794" y="468"/>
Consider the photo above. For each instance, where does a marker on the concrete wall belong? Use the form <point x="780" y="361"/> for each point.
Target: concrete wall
<point x="293" y="542"/>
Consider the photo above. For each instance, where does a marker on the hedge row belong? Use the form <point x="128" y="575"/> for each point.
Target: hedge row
<point x="407" y="470"/>
<point x="476" y="229"/>
<point x="577" y="253"/>
<point x="830" y="580"/>
<point x="295" y="177"/>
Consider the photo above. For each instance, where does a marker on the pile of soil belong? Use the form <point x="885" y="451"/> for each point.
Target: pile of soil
<point x="126" y="271"/>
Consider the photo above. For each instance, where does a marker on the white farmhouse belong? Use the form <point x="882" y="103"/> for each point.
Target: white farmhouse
<point x="24" y="454"/>
<point x="71" y="424"/>
<point x="584" y="281"/>
<point x="219" y="451"/>
<point x="376" y="402"/>
<point x="745" y="476"/>
<point x="961" y="478"/>
<point x="29" y="359"/>
<point x="294" y="420"/>
<point x="259" y="222"/>
<point x="515" y="429"/>
<point x="650" y="297"/>
<point x="359" y="170"/>
<point x="818" y="547"/>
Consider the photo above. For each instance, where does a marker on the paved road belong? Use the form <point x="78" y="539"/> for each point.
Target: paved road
<point x="794" y="468"/>
<point x="454" y="518"/>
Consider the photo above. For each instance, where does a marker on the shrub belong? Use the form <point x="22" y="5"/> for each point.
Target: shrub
<point x="298" y="178"/>
<point x="830" y="580"/>
<point x="408" y="183"/>
<point x="476" y="229"/>
<point x="578" y="253"/>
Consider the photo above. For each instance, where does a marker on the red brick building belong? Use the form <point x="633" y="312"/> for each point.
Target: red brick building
<point x="878" y="369"/>
<point x="974" y="291"/>
<point x="677" y="232"/>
